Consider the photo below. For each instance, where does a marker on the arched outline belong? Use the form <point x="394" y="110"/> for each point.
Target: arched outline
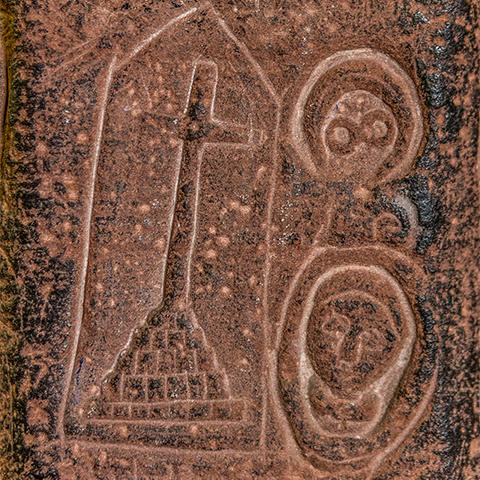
<point x="114" y="65"/>
<point x="382" y="386"/>
<point x="376" y="461"/>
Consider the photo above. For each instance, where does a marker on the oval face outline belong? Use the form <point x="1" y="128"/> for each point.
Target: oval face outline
<point x="347" y="342"/>
<point x="365" y="445"/>
<point x="387" y="69"/>
<point x="383" y="387"/>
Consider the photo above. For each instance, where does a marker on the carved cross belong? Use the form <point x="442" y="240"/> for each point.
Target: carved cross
<point x="196" y="127"/>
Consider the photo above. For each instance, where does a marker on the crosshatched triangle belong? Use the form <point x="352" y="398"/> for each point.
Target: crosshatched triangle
<point x="169" y="373"/>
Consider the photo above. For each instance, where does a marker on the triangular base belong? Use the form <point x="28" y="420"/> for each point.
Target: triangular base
<point x="169" y="373"/>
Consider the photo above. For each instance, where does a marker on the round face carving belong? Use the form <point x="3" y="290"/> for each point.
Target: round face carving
<point x="352" y="340"/>
<point x="358" y="119"/>
<point x="359" y="133"/>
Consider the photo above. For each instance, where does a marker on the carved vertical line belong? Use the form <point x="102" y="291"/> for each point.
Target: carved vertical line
<point x="178" y="166"/>
<point x="86" y="250"/>
<point x="191" y="249"/>
<point x="267" y="330"/>
<point x="3" y="89"/>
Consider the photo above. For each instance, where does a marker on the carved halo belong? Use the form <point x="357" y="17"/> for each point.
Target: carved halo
<point x="376" y="75"/>
<point x="347" y="425"/>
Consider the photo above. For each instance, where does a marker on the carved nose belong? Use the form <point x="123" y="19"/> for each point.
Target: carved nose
<point x="344" y="366"/>
<point x="347" y="353"/>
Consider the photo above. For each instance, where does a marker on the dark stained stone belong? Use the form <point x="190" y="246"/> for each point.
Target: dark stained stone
<point x="248" y="240"/>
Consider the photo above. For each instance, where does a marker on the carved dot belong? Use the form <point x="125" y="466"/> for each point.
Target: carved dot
<point x="379" y="129"/>
<point x="360" y="100"/>
<point x="226" y="291"/>
<point x="342" y="136"/>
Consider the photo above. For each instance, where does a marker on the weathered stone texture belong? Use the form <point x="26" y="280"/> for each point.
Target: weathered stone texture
<point x="252" y="238"/>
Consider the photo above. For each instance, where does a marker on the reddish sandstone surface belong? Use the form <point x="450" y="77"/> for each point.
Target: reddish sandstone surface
<point x="249" y="238"/>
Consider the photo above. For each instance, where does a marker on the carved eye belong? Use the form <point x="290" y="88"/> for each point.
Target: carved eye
<point x="336" y="324"/>
<point x="371" y="341"/>
<point x="341" y="136"/>
<point x="378" y="129"/>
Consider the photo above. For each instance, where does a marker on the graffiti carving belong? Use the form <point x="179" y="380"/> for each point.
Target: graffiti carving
<point x="358" y="110"/>
<point x="351" y="336"/>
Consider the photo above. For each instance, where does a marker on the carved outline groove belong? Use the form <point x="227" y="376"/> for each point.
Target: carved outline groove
<point x="114" y="66"/>
<point x="402" y="79"/>
<point x="371" y="463"/>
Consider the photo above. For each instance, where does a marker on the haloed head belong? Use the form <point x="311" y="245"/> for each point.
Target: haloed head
<point x="358" y="119"/>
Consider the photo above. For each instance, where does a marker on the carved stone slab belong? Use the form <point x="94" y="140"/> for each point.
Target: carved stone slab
<point x="3" y="84"/>
<point x="249" y="239"/>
